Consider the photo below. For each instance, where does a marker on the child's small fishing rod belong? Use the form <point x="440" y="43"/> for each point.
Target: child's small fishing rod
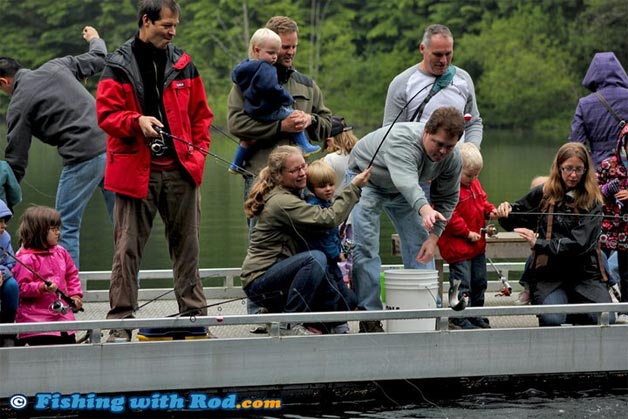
<point x="159" y="148"/>
<point x="62" y="296"/>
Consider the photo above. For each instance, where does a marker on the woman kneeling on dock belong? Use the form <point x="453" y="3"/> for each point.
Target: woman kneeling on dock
<point x="562" y="220"/>
<point x="274" y="275"/>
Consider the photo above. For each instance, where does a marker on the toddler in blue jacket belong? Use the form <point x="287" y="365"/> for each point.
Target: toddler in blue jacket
<point x="264" y="98"/>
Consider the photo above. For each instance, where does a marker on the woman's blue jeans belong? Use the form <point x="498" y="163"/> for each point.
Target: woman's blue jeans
<point x="560" y="296"/>
<point x="294" y="285"/>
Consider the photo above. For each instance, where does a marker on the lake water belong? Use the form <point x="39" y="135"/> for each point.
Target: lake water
<point x="511" y="159"/>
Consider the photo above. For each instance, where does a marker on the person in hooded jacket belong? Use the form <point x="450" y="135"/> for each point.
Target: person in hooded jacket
<point x="593" y="124"/>
<point x="9" y="290"/>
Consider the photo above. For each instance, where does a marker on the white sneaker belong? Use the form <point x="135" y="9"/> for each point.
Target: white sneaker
<point x="622" y="319"/>
<point x="119" y="335"/>
<point x="523" y="298"/>
<point x="341" y="329"/>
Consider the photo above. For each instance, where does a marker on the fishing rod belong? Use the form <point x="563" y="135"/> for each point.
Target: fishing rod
<point x="491" y="231"/>
<point x="623" y="217"/>
<point x="192" y="312"/>
<point x="395" y="120"/>
<point x="58" y="305"/>
<point x="159" y="148"/>
<point x="507" y="289"/>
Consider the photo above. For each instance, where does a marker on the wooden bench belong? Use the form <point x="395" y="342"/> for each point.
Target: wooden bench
<point x="506" y="245"/>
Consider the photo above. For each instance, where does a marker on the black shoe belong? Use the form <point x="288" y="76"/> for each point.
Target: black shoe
<point x="481" y="322"/>
<point x="453" y="325"/>
<point x="461" y="324"/>
<point x="260" y="328"/>
<point x="371" y="326"/>
<point x="7" y="341"/>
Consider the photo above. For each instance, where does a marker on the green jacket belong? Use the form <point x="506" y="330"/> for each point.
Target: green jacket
<point x="285" y="224"/>
<point x="307" y="98"/>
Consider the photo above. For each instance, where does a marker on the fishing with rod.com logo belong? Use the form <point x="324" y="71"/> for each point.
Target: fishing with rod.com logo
<point x="55" y="402"/>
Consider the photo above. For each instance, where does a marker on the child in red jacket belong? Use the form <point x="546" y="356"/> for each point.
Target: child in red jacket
<point x="462" y="244"/>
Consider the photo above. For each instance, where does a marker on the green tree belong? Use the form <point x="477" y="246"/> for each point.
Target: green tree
<point x="526" y="78"/>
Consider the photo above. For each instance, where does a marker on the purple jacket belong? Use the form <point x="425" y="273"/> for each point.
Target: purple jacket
<point x="592" y="123"/>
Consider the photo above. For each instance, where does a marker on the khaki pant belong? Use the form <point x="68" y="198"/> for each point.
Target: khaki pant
<point x="177" y="200"/>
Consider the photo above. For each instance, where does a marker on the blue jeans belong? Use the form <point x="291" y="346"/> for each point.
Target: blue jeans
<point x="472" y="274"/>
<point x="9" y="297"/>
<point x="366" y="230"/>
<point x="560" y="296"/>
<point x="77" y="185"/>
<point x="294" y="285"/>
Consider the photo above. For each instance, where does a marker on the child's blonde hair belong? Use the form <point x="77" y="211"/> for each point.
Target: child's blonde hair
<point x="263" y="36"/>
<point x="319" y="174"/>
<point x="471" y="156"/>
<point x="344" y="142"/>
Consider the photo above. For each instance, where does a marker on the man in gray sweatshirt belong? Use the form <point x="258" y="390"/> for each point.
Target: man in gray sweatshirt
<point x="410" y="153"/>
<point x="52" y="104"/>
<point x="434" y="76"/>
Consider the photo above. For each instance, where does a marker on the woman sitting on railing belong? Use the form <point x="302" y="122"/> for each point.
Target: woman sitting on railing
<point x="561" y="220"/>
<point x="274" y="275"/>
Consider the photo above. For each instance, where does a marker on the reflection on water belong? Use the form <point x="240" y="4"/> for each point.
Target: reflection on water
<point x="511" y="159"/>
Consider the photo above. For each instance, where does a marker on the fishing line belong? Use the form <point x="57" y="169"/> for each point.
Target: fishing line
<point x="33" y="187"/>
<point x="395" y="120"/>
<point x="422" y="395"/>
<point x="205" y="151"/>
<point x="223" y="132"/>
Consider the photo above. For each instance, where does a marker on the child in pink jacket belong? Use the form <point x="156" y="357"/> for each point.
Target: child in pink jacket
<point x="43" y="270"/>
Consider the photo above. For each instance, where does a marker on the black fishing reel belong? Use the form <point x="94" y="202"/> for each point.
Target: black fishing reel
<point x="158" y="147"/>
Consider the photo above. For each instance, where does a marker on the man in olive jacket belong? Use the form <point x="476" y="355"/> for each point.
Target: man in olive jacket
<point x="310" y="112"/>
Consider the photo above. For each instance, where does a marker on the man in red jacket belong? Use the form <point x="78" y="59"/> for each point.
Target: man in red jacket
<point x="149" y="83"/>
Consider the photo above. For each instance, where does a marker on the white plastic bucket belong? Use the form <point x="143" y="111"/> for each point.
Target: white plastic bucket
<point x="410" y="289"/>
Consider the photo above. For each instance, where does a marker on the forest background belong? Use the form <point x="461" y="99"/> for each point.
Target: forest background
<point x="527" y="57"/>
